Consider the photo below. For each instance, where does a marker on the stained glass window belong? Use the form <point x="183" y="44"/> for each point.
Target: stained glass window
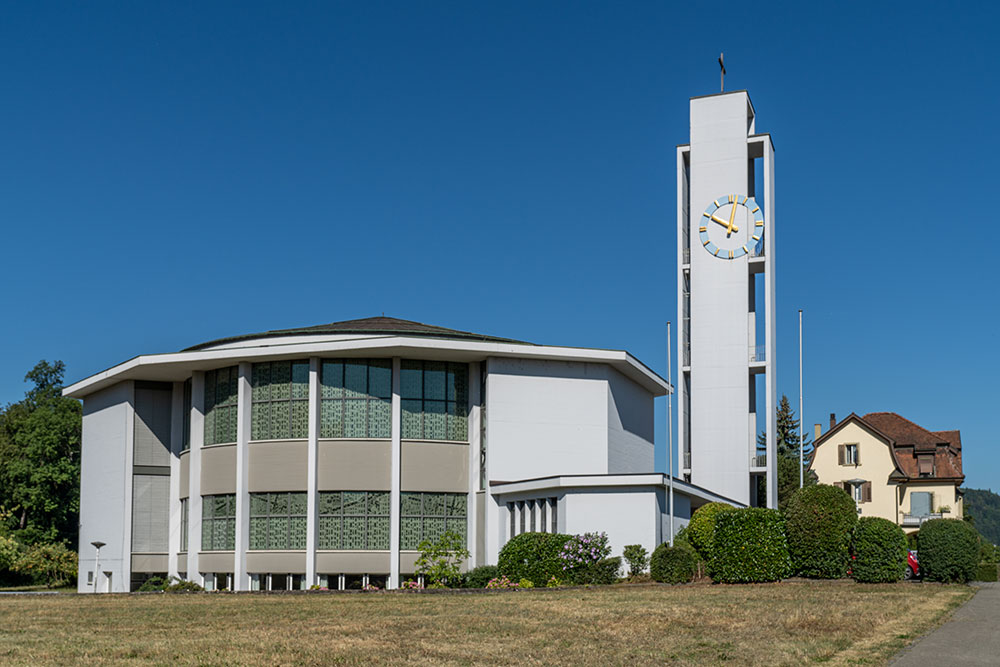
<point x="218" y="522"/>
<point x="280" y="400"/>
<point x="221" y="392"/>
<point x="354" y="520"/>
<point x="186" y="417"/>
<point x="277" y="521"/>
<point x="426" y="516"/>
<point x="356" y="398"/>
<point x="435" y="396"/>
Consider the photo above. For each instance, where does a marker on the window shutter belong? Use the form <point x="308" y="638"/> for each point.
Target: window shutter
<point x="932" y="505"/>
<point x="857" y="454"/>
<point x="841" y="457"/>
<point x="866" y="492"/>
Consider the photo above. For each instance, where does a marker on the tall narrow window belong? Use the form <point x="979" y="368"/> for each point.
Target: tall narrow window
<point x="435" y="400"/>
<point x="426" y="516"/>
<point x="221" y="389"/>
<point x="353" y="520"/>
<point x="280" y="400"/>
<point x="186" y="417"/>
<point x="356" y="398"/>
<point x="218" y="522"/>
<point x="277" y="521"/>
<point x="184" y="524"/>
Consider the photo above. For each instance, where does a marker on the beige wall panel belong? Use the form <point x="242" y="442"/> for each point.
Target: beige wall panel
<point x="352" y="562"/>
<point x="944" y="496"/>
<point x="278" y="562"/>
<point x="185" y="473"/>
<point x="408" y="562"/>
<point x="876" y="466"/>
<point x="149" y="562"/>
<point x="435" y="466"/>
<point x="218" y="473"/>
<point x="278" y="466"/>
<point x="182" y="563"/>
<point x="354" y="465"/>
<point x="214" y="561"/>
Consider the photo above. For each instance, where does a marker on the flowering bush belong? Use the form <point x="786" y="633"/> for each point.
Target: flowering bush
<point x="501" y="582"/>
<point x="525" y="583"/>
<point x="553" y="582"/>
<point x="371" y="587"/>
<point x="581" y="555"/>
<point x="411" y="585"/>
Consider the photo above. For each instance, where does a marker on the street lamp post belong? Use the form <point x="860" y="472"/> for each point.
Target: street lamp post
<point x="97" y="562"/>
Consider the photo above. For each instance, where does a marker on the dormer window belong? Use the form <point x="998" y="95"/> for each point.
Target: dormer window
<point x="925" y="463"/>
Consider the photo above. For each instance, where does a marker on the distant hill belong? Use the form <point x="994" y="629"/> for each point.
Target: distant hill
<point x="984" y="506"/>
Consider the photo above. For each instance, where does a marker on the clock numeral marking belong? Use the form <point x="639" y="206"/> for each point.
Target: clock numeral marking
<point x="755" y="209"/>
<point x="730" y="254"/>
<point x="745" y="250"/>
<point x="717" y="251"/>
<point x="756" y="238"/>
<point x="706" y="242"/>
<point x="707" y="214"/>
<point x="703" y="229"/>
<point x="759" y="224"/>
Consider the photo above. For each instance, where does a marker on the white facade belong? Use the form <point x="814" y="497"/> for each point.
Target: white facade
<point x="726" y="346"/>
<point x="533" y="413"/>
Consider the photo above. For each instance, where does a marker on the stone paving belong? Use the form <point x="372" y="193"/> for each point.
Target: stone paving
<point x="971" y="637"/>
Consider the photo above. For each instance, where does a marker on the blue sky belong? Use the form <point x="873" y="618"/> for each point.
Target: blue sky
<point x="173" y="174"/>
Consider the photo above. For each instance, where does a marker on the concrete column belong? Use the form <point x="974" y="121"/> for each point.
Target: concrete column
<point x="176" y="443"/>
<point x="244" y="412"/>
<point x="472" y="524"/>
<point x="312" y="494"/>
<point x="194" y="483"/>
<point x="395" y="467"/>
<point x="770" y="350"/>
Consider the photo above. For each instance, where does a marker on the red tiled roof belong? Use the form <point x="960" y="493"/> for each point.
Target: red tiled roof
<point x="910" y="440"/>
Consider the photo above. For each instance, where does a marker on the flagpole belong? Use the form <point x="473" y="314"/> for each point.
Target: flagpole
<point x="670" y="441"/>
<point x="801" y="458"/>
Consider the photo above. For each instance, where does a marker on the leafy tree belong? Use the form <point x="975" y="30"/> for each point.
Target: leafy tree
<point x="440" y="560"/>
<point x="787" y="450"/>
<point x="984" y="506"/>
<point x="40" y="459"/>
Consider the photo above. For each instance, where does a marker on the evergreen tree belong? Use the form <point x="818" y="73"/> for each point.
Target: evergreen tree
<point x="787" y="450"/>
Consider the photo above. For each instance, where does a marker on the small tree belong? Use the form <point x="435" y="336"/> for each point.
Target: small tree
<point x="440" y="560"/>
<point x="49" y="564"/>
<point x="637" y="558"/>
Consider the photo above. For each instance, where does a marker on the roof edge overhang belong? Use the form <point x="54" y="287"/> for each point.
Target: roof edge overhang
<point x="853" y="417"/>
<point x="177" y="366"/>
<point x="605" y="481"/>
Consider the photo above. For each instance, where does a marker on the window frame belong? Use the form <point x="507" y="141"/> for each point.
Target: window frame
<point x="460" y="403"/>
<point x="405" y="544"/>
<point x="334" y="400"/>
<point x="210" y="522"/>
<point x="270" y="519"/>
<point x="370" y="520"/>
<point x="294" y="401"/>
<point x="851" y="454"/>
<point x="221" y="417"/>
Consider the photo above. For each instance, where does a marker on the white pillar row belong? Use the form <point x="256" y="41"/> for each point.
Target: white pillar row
<point x="244" y="402"/>
<point x="312" y="494"/>
<point x="176" y="443"/>
<point x="194" y="481"/>
<point x="395" y="468"/>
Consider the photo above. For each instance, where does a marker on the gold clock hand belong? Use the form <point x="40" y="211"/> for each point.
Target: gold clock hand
<point x="725" y="224"/>
<point x="732" y="217"/>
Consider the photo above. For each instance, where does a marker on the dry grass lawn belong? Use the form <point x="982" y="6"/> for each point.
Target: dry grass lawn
<point x="787" y="623"/>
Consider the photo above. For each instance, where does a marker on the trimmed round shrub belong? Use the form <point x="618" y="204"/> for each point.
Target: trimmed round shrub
<point x="673" y="564"/>
<point x="533" y="556"/>
<point x="749" y="547"/>
<point x="601" y="573"/>
<point x="986" y="572"/>
<point x="818" y="524"/>
<point x="949" y="550"/>
<point x="478" y="577"/>
<point x="879" y="551"/>
<point x="913" y="540"/>
<point x="700" y="530"/>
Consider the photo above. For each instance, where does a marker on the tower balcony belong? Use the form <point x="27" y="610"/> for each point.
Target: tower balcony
<point x="758" y="354"/>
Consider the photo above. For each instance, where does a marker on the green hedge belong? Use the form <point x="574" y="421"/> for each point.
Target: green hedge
<point x="818" y="524"/>
<point x="673" y="564"/>
<point x="603" y="572"/>
<point x="986" y="572"/>
<point x="700" y="530"/>
<point x="749" y="546"/>
<point x="879" y="550"/>
<point x="533" y="556"/>
<point x="949" y="550"/>
<point x="478" y="577"/>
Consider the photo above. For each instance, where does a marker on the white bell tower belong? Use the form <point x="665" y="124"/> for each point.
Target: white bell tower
<point x="725" y="300"/>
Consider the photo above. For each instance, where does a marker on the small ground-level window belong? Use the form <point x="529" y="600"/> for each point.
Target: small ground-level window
<point x="90" y="577"/>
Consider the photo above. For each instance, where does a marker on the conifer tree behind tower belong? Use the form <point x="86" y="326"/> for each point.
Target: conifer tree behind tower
<point x="787" y="452"/>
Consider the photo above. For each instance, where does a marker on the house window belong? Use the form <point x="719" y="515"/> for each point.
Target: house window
<point x="356" y="398"/>
<point x="921" y="503"/>
<point x="435" y="400"/>
<point x="354" y="520"/>
<point x="277" y="521"/>
<point x="280" y="400"/>
<point x="850" y="455"/>
<point x="218" y="522"/>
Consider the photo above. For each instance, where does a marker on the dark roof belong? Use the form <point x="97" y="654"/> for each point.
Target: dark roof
<point x="367" y="326"/>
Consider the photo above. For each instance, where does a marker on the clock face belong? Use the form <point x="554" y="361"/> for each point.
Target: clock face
<point x="732" y="226"/>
